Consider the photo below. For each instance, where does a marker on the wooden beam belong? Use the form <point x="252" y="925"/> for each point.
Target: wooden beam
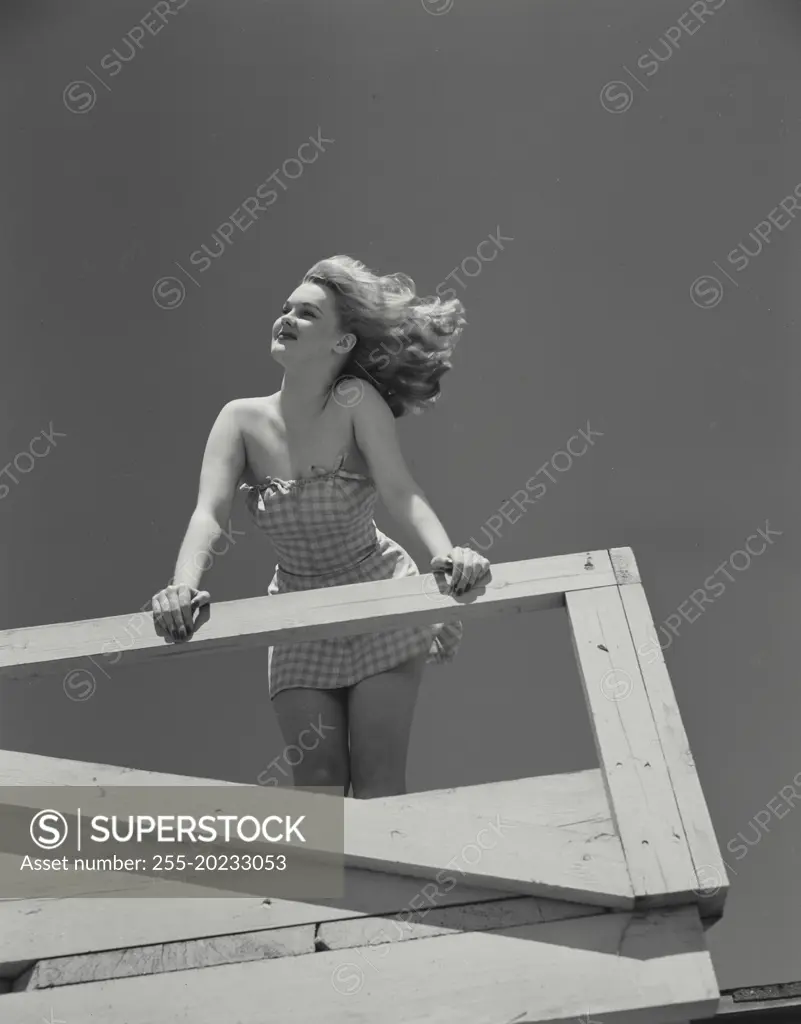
<point x="469" y="837"/>
<point x="296" y="940"/>
<point x="518" y="854"/>
<point x="711" y="879"/>
<point x="529" y="585"/>
<point x="619" y="968"/>
<point x="36" y="929"/>
<point x="575" y="800"/>
<point x="638" y="784"/>
<point x="783" y="990"/>
<point x="760" y="1010"/>
<point x="571" y="799"/>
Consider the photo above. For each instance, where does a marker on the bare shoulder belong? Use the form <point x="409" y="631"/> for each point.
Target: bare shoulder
<point x="248" y="422"/>
<point x="356" y="391"/>
<point x="261" y="430"/>
<point x="246" y="410"/>
<point x="369" y="388"/>
<point x="367" y="404"/>
<point x="247" y="404"/>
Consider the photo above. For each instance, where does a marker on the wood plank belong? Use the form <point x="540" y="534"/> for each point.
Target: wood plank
<point x="514" y="854"/>
<point x="784" y="990"/>
<point x="620" y="967"/>
<point x="165" y="957"/>
<point x="711" y="877"/>
<point x="35" y="929"/>
<point x="295" y="941"/>
<point x="538" y="583"/>
<point x="430" y="922"/>
<point x="774" y="1011"/>
<point x="32" y="930"/>
<point x="469" y="837"/>
<point x="639" y="788"/>
<point x="624" y="566"/>
<point x="574" y="800"/>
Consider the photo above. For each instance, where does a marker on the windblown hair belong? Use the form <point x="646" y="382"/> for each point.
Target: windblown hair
<point x="404" y="342"/>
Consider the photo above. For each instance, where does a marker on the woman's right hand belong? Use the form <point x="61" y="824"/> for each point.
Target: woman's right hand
<point x="173" y="610"/>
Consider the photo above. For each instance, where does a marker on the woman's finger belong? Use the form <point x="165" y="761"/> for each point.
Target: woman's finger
<point x="162" y="616"/>
<point x="460" y="576"/>
<point x="184" y="592"/>
<point x="475" y="567"/>
<point x="175" y="615"/>
<point x="444" y="564"/>
<point x="158" y="617"/>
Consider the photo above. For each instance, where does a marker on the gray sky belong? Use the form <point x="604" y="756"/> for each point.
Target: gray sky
<point x="619" y="204"/>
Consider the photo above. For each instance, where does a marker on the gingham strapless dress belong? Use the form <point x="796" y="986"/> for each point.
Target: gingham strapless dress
<point x="324" y="534"/>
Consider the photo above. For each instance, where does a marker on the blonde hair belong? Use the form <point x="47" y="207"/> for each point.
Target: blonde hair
<point x="404" y="343"/>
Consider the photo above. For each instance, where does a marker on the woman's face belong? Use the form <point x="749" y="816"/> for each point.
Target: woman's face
<point x="308" y="327"/>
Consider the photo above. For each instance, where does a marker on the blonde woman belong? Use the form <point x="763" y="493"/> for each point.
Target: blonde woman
<point x="358" y="351"/>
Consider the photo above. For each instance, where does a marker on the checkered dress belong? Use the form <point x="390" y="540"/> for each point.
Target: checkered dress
<point x="324" y="534"/>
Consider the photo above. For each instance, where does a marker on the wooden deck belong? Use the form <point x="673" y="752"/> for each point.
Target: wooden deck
<point x="582" y="896"/>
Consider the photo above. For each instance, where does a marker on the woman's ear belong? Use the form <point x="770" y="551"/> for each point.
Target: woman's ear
<point x="345" y="343"/>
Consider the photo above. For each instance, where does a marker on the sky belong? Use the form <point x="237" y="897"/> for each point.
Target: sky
<point x="607" y="187"/>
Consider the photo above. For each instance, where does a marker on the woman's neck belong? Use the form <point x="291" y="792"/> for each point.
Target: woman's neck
<point x="303" y="397"/>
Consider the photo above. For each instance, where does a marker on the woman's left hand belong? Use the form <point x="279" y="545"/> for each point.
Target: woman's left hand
<point x="463" y="568"/>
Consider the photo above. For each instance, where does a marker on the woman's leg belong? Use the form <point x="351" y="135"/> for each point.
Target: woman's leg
<point x="380" y="712"/>
<point x="314" y="724"/>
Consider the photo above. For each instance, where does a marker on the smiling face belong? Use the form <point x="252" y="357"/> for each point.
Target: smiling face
<point x="308" y="328"/>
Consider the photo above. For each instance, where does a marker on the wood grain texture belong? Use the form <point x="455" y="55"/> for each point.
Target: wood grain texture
<point x="774" y="1011"/>
<point x="574" y="802"/>
<point x="468" y="836"/>
<point x="515" y="854"/>
<point x="627" y="968"/>
<point x="37" y="651"/>
<point x="164" y="957"/>
<point x="712" y="882"/>
<point x="639" y="787"/>
<point x="32" y="930"/>
<point x="624" y="566"/>
<point x="428" y="928"/>
<point x="296" y="941"/>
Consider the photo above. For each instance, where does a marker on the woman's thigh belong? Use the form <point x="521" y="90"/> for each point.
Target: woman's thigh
<point x="314" y="724"/>
<point x="380" y="714"/>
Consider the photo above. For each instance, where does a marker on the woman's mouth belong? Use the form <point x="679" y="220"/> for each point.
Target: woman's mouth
<point x="286" y="336"/>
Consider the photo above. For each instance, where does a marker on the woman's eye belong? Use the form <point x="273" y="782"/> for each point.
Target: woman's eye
<point x="308" y="313"/>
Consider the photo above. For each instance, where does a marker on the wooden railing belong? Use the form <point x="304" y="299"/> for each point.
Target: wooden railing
<point x="312" y="615"/>
<point x="651" y="783"/>
<point x="632" y="841"/>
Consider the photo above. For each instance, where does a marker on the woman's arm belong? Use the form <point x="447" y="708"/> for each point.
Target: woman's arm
<point x="377" y="438"/>
<point x="223" y="464"/>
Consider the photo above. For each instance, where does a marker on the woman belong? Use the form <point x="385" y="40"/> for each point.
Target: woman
<point x="358" y="351"/>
